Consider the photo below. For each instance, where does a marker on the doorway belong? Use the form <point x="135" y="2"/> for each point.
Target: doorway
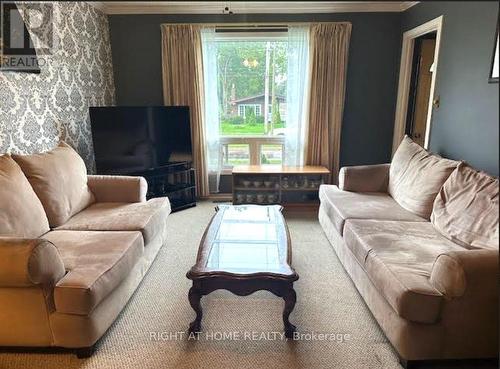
<point x="417" y="80"/>
<point x="420" y="87"/>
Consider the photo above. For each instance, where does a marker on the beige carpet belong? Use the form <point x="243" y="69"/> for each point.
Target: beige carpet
<point x="327" y="303"/>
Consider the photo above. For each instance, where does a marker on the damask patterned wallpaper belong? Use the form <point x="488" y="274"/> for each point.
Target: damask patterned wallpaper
<point x="38" y="110"/>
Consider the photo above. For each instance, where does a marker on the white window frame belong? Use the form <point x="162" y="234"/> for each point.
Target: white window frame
<point x="256" y="109"/>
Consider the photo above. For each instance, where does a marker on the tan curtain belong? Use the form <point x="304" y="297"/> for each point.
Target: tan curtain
<point x="329" y="50"/>
<point x="182" y="67"/>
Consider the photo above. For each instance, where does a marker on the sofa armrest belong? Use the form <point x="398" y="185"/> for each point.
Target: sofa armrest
<point x="456" y="273"/>
<point x="118" y="188"/>
<point x="29" y="262"/>
<point x="364" y="178"/>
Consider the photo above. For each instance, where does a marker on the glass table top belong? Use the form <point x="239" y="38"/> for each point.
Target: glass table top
<point x="249" y="239"/>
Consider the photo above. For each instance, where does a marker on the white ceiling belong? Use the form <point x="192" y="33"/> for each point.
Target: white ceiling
<point x="248" y="7"/>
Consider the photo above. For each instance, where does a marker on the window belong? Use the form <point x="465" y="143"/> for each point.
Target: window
<point x="254" y="113"/>
<point x="271" y="154"/>
<point x="243" y="108"/>
<point x="250" y="70"/>
<point x="236" y="154"/>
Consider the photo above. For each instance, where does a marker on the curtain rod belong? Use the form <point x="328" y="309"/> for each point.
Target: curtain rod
<point x="241" y="24"/>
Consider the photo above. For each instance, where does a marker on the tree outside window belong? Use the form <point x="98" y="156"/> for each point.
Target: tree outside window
<point x="249" y="72"/>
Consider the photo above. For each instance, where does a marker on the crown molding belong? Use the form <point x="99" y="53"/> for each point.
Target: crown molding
<point x="99" y="5"/>
<point x="405" y="5"/>
<point x="249" y="7"/>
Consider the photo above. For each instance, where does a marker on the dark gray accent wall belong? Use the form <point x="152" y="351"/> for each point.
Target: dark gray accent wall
<point x="466" y="124"/>
<point x="371" y="77"/>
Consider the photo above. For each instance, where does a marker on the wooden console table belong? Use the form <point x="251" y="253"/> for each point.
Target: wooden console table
<point x="276" y="184"/>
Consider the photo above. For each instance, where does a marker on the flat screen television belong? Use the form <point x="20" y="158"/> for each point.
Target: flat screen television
<point x="130" y="139"/>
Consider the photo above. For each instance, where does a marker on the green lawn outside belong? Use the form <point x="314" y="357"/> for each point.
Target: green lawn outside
<point x="238" y="161"/>
<point x="230" y="129"/>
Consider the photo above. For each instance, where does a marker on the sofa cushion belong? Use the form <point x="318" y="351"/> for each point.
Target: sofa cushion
<point x="147" y="217"/>
<point x="398" y="258"/>
<point x="21" y="212"/>
<point x="466" y="209"/>
<point x="341" y="205"/>
<point x="59" y="178"/>
<point x="416" y="176"/>
<point x="29" y="262"/>
<point x="96" y="263"/>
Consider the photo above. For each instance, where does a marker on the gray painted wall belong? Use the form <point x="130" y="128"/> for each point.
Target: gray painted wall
<point x="465" y="127"/>
<point x="466" y="124"/>
<point x="371" y="80"/>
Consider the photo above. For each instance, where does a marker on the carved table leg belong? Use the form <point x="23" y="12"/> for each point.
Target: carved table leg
<point x="290" y="298"/>
<point x="194" y="301"/>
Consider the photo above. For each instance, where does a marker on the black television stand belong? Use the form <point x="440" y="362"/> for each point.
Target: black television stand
<point x="175" y="180"/>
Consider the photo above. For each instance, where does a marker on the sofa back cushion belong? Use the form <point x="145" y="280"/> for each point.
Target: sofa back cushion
<point x="466" y="209"/>
<point x="59" y="178"/>
<point x="416" y="176"/>
<point x="21" y="212"/>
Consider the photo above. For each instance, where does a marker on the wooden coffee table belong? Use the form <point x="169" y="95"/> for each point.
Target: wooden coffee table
<point x="245" y="249"/>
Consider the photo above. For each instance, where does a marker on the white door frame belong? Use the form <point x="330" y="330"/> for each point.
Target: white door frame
<point x="405" y="70"/>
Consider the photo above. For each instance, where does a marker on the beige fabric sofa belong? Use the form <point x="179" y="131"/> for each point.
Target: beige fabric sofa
<point x="73" y="248"/>
<point x="430" y="279"/>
